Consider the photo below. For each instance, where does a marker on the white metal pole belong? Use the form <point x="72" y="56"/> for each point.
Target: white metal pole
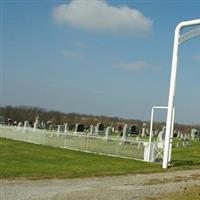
<point x="150" y="134"/>
<point x="172" y="88"/>
<point x="171" y="98"/>
<point x="171" y="138"/>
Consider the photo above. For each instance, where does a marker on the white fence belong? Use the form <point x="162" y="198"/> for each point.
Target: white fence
<point x="112" y="146"/>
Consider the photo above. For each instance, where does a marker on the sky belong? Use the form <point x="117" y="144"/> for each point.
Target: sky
<point x="98" y="57"/>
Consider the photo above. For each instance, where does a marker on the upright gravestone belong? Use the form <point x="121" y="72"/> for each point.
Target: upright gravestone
<point x="92" y="129"/>
<point x="108" y="132"/>
<point x="161" y="138"/>
<point x="99" y="128"/>
<point x="58" y="130"/>
<point x="119" y="128"/>
<point x="125" y="132"/>
<point x="143" y="132"/>
<point x="133" y="130"/>
<point x="156" y="133"/>
<point x="43" y="125"/>
<point x="182" y="136"/>
<point x="66" y="128"/>
<point x="36" y="123"/>
<point x="20" y="124"/>
<point x="48" y="125"/>
<point x="79" y="128"/>
<point x="179" y="134"/>
<point x="194" y="134"/>
<point x="26" y="125"/>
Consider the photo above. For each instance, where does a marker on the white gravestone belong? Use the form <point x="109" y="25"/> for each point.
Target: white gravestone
<point x="19" y="126"/>
<point x="161" y="138"/>
<point x="58" y="130"/>
<point x="125" y="132"/>
<point x="26" y="125"/>
<point x="36" y="124"/>
<point x="194" y="134"/>
<point x="66" y="128"/>
<point x="143" y="132"/>
<point x="108" y="132"/>
<point x="92" y="129"/>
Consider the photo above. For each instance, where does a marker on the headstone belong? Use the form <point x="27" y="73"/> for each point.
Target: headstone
<point x="143" y="132"/>
<point x="156" y="133"/>
<point x="108" y="132"/>
<point x="48" y="125"/>
<point x="99" y="128"/>
<point x="161" y="135"/>
<point x="179" y="134"/>
<point x="15" y="123"/>
<point x="20" y="124"/>
<point x="9" y="121"/>
<point x="119" y="128"/>
<point x="42" y="125"/>
<point x="133" y="130"/>
<point x="26" y="125"/>
<point x="36" y="124"/>
<point x="79" y="128"/>
<point x="58" y="130"/>
<point x="66" y="128"/>
<point x="182" y="136"/>
<point x="92" y="129"/>
<point x="194" y="134"/>
<point x="125" y="132"/>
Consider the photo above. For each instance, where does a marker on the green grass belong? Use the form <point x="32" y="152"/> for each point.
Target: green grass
<point x="186" y="157"/>
<point x="20" y="159"/>
<point x="25" y="160"/>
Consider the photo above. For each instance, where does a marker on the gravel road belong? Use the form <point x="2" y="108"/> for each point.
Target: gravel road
<point x="101" y="188"/>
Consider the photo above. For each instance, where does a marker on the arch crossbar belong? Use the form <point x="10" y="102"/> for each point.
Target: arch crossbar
<point x="189" y="35"/>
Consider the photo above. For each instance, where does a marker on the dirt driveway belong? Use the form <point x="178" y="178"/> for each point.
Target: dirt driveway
<point x="103" y="188"/>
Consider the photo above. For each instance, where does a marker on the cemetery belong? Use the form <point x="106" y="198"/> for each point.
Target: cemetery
<point x="129" y="141"/>
<point x="83" y="107"/>
<point x="123" y="140"/>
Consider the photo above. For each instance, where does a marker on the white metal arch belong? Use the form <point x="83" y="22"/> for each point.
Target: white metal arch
<point x="178" y="39"/>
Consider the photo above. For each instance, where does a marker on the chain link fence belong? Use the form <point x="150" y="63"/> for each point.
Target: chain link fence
<point x="112" y="146"/>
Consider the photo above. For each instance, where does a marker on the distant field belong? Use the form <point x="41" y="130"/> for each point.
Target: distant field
<point x="25" y="160"/>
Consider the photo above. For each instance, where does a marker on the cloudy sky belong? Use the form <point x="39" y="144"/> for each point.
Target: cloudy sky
<point x="98" y="57"/>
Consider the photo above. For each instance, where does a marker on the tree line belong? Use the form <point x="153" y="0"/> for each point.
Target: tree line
<point x="28" y="113"/>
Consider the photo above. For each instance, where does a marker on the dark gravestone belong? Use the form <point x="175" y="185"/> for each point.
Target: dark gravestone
<point x="80" y="128"/>
<point x="100" y="127"/>
<point x="120" y="128"/>
<point x="62" y="128"/>
<point x="133" y="130"/>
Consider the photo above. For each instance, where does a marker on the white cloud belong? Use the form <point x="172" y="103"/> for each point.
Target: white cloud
<point x="134" y="66"/>
<point x="74" y="55"/>
<point x="97" y="15"/>
<point x="196" y="57"/>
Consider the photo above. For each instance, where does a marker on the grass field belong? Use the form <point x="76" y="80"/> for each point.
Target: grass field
<point x="25" y="160"/>
<point x="92" y="143"/>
